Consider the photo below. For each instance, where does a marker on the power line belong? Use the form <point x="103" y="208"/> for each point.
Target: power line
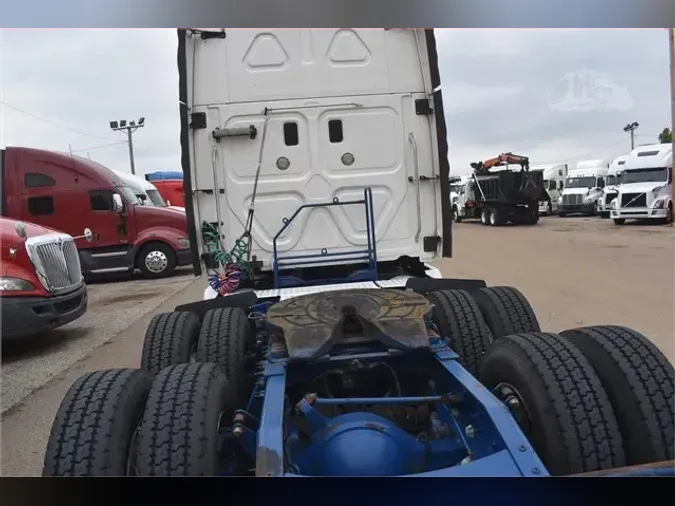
<point x="51" y="122"/>
<point x="119" y="143"/>
<point x="598" y="149"/>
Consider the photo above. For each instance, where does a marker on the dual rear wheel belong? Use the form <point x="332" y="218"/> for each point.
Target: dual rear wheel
<point x="497" y="217"/>
<point x="587" y="399"/>
<point x="192" y="379"/>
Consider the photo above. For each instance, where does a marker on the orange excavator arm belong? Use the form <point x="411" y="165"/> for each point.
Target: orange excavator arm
<point x="503" y="159"/>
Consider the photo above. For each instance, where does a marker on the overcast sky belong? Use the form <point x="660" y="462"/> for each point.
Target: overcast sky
<point x="503" y="90"/>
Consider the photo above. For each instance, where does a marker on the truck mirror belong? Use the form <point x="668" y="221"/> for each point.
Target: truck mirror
<point x="88" y="235"/>
<point x="118" y="206"/>
<point x="20" y="229"/>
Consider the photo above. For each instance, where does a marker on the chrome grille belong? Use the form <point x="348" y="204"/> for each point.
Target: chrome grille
<point x="57" y="262"/>
<point x="571" y="200"/>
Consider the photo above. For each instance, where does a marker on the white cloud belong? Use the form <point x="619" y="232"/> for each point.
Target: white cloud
<point x="462" y="97"/>
<point x="496" y="87"/>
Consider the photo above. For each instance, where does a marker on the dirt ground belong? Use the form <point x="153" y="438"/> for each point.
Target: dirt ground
<point x="578" y="271"/>
<point x="575" y="271"/>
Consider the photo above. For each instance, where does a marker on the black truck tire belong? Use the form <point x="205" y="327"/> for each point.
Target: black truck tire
<point x="506" y="311"/>
<point x="459" y="320"/>
<point x="223" y="339"/>
<point x="497" y="217"/>
<point x="619" y="221"/>
<point x="94" y="428"/>
<point x="485" y="216"/>
<point x="567" y="415"/>
<point x="640" y="384"/>
<point x="170" y="339"/>
<point x="179" y="431"/>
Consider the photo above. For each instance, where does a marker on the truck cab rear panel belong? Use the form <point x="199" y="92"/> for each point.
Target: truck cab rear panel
<point x="327" y="114"/>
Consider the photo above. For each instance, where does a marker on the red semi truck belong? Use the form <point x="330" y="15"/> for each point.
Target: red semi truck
<point x="170" y="186"/>
<point x="42" y="286"/>
<point x="70" y="193"/>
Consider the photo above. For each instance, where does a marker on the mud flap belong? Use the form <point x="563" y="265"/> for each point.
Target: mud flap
<point x="426" y="285"/>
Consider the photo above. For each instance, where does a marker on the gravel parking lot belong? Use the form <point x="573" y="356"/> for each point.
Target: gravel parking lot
<point x="28" y="364"/>
<point x="575" y="271"/>
<point x="579" y="271"/>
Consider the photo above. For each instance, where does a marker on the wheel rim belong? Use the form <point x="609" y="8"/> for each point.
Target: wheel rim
<point x="509" y="395"/>
<point x="156" y="261"/>
<point x="493" y="219"/>
<point x="455" y="214"/>
<point x="483" y="217"/>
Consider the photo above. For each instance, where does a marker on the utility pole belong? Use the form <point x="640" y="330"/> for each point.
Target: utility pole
<point x="671" y="38"/>
<point x="631" y="127"/>
<point x="129" y="130"/>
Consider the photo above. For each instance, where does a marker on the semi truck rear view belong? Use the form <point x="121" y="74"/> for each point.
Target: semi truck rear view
<point x="302" y="122"/>
<point x="317" y="189"/>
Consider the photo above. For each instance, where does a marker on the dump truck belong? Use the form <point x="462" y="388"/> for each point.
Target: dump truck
<point x="496" y="194"/>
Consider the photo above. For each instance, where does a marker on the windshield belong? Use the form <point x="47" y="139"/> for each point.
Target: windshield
<point x="143" y="198"/>
<point x="580" y="182"/>
<point x="611" y="180"/>
<point x="644" y="175"/>
<point x="155" y="198"/>
<point x="129" y="195"/>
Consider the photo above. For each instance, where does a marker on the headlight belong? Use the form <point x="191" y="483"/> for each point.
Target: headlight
<point x="560" y="200"/>
<point x="614" y="203"/>
<point x="659" y="204"/>
<point x="15" y="285"/>
<point x="184" y="242"/>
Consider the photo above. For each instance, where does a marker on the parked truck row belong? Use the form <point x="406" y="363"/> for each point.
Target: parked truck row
<point x="636" y="186"/>
<point x="69" y="193"/>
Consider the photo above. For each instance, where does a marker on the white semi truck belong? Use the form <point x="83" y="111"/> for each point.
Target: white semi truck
<point x="646" y="186"/>
<point x="583" y="188"/>
<point x="458" y="185"/>
<point x="554" y="183"/>
<point x="331" y="348"/>
<point x="146" y="192"/>
<point x="612" y="181"/>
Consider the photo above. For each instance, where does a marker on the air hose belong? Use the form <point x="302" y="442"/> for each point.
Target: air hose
<point x="234" y="263"/>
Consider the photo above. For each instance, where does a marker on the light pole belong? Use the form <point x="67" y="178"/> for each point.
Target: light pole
<point x="129" y="129"/>
<point x="631" y="127"/>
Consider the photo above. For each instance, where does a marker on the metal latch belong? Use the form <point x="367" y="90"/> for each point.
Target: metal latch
<point x="423" y="178"/>
<point x="250" y="131"/>
<point x="198" y="120"/>
<point x="423" y="107"/>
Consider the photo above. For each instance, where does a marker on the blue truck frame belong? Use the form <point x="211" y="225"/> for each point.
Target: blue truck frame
<point x="486" y="440"/>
